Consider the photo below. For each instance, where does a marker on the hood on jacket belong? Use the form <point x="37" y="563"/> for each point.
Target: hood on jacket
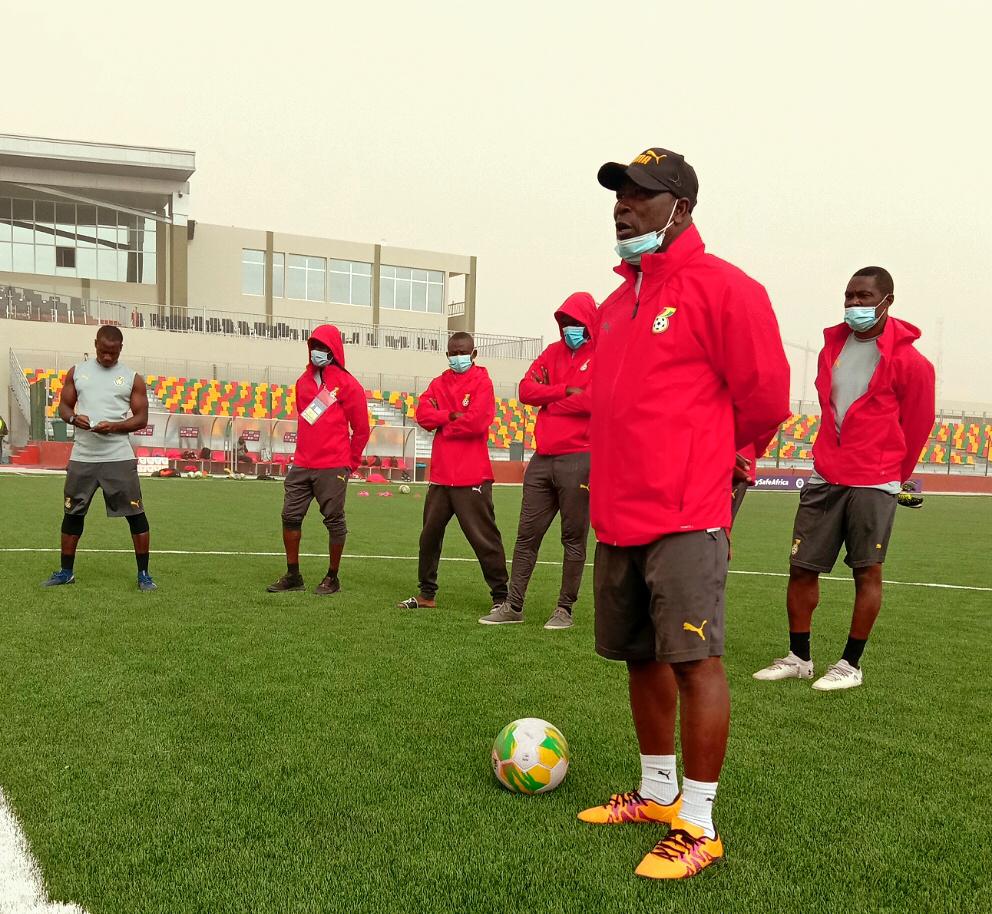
<point x="579" y="306"/>
<point x="896" y="333"/>
<point x="330" y="336"/>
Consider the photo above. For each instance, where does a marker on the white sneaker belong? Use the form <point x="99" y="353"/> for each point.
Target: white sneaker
<point x="788" y="667"/>
<point x="840" y="676"/>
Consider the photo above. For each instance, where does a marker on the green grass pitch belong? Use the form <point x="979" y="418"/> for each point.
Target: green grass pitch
<point x="214" y="748"/>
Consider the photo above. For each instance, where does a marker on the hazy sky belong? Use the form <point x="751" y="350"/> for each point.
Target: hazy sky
<point x="826" y="137"/>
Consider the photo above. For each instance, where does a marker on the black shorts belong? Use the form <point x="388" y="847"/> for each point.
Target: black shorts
<point x="663" y="601"/>
<point x="118" y="479"/>
<point x="831" y="516"/>
<point x="328" y="486"/>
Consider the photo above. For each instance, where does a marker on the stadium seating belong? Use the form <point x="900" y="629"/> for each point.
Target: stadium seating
<point x="951" y="443"/>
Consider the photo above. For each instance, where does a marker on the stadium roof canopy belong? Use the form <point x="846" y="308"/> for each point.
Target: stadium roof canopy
<point x="140" y="179"/>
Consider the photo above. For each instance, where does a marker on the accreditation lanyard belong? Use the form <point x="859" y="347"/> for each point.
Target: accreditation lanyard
<point x="319" y="405"/>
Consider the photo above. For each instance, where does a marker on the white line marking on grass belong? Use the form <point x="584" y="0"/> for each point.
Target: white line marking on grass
<point x="22" y="890"/>
<point x="414" y="558"/>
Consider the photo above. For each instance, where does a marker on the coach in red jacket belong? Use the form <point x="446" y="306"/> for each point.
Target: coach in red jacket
<point x="689" y="369"/>
<point x="557" y="477"/>
<point x="331" y="433"/>
<point x="877" y="409"/>
<point x="459" y="406"/>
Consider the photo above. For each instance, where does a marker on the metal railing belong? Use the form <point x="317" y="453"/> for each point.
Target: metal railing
<point x="21" y="388"/>
<point x="18" y="303"/>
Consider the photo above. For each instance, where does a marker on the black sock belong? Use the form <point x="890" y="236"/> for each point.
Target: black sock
<point x="68" y="561"/>
<point x="293" y="568"/>
<point x="799" y="644"/>
<point x="332" y="572"/>
<point x="855" y="648"/>
<point x="142" y="560"/>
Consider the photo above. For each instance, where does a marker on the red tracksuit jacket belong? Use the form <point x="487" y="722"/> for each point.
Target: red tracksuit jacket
<point x="563" y="421"/>
<point x="689" y="370"/>
<point x="885" y="430"/>
<point x="328" y="442"/>
<point x="460" y="453"/>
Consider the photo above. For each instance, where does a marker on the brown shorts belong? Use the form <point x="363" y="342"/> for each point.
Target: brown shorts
<point x="118" y="479"/>
<point x="663" y="601"/>
<point x="328" y="487"/>
<point x="832" y="516"/>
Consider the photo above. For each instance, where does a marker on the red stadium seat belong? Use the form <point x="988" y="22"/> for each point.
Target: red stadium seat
<point x="173" y="453"/>
<point x="142" y="452"/>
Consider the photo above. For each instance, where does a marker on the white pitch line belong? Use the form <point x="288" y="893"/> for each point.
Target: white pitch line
<point x="414" y="558"/>
<point x="22" y="890"/>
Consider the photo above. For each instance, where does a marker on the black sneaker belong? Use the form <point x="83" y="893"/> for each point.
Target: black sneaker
<point x="288" y="583"/>
<point x="329" y="585"/>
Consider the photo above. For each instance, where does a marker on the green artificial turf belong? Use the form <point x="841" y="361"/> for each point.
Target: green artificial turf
<point x="214" y="748"/>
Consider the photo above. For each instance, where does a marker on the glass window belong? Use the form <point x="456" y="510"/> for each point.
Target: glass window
<point x="65" y="257"/>
<point x="403" y="272"/>
<point x="341" y="287"/>
<point x="85" y="226"/>
<point x="44" y="259"/>
<point x="278" y="275"/>
<point x="146" y="268"/>
<point x="4" y="209"/>
<point x="435" y="276"/>
<point x="351" y="282"/>
<point x="296" y="276"/>
<point x="361" y="290"/>
<point x="23" y="258"/>
<point x="252" y="272"/>
<point x="419" y="300"/>
<point x="387" y="292"/>
<point x="389" y="272"/>
<point x="6" y="257"/>
<point x="106" y="263"/>
<point x="435" y="298"/>
<point x="86" y="263"/>
<point x="419" y="275"/>
<point x="151" y="227"/>
<point x="316" y="267"/>
<point x="402" y="294"/>
<point x="23" y="219"/>
<point x="5" y="231"/>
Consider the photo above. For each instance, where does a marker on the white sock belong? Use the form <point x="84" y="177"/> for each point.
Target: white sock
<point x="697" y="804"/>
<point x="659" y="779"/>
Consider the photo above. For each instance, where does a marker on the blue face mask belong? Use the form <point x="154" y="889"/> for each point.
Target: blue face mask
<point x="320" y="359"/>
<point x="862" y="317"/>
<point x="574" y="336"/>
<point x="460" y="363"/>
<point x="631" y="249"/>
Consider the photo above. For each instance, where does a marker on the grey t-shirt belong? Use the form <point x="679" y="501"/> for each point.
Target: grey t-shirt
<point x="104" y="395"/>
<point x="852" y="373"/>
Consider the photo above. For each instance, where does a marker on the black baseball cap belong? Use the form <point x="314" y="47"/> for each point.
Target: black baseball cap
<point x="654" y="169"/>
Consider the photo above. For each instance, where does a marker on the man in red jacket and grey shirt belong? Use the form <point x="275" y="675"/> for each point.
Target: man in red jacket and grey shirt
<point x="459" y="406"/>
<point x="331" y="433"/>
<point x="689" y="369"/>
<point x="876" y="411"/>
<point x="557" y="477"/>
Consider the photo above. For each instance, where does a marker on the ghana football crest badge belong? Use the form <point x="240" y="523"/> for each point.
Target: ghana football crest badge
<point x="119" y="380"/>
<point x="661" y="322"/>
<point x="795" y="546"/>
<point x="465" y="402"/>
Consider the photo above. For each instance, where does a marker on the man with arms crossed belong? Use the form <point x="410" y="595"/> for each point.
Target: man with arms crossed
<point x="557" y="477"/>
<point x="459" y="406"/>
<point x="877" y="409"/>
<point x="690" y="369"/>
<point x="96" y="398"/>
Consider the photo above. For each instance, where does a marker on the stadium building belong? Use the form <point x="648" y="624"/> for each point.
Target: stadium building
<point x="214" y="316"/>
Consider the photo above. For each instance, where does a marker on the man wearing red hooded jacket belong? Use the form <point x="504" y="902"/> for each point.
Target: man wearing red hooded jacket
<point x="557" y="477"/>
<point x="331" y="434"/>
<point x="459" y="406"/>
<point x="689" y="370"/>
<point x="876" y="411"/>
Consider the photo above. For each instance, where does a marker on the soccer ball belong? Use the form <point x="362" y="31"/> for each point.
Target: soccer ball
<point x="530" y="756"/>
<point x="404" y="489"/>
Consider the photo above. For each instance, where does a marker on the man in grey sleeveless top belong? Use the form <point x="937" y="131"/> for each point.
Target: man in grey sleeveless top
<point x="97" y="397"/>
